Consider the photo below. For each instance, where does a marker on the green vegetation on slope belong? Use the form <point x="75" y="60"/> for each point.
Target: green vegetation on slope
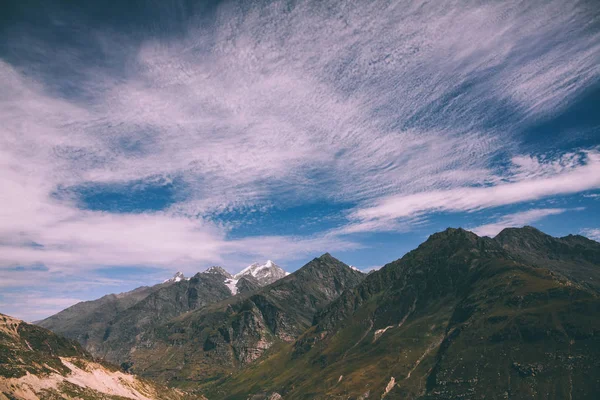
<point x="209" y="344"/>
<point x="459" y="317"/>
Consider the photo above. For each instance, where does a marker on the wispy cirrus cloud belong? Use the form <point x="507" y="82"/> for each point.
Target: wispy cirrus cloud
<point x="566" y="179"/>
<point x="246" y="110"/>
<point x="518" y="219"/>
<point x="592" y="233"/>
<point x="392" y="111"/>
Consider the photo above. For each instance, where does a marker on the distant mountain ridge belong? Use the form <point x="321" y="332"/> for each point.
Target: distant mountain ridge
<point x="233" y="333"/>
<point x="177" y="277"/>
<point x="266" y="273"/>
<point x="110" y="327"/>
<point x="460" y="316"/>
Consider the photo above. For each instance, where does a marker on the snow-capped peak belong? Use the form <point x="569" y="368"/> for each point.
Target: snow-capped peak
<point x="265" y="273"/>
<point x="176" y="278"/>
<point x="219" y="271"/>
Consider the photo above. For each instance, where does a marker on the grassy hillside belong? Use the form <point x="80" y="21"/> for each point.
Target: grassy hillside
<point x="459" y="317"/>
<point x="207" y="345"/>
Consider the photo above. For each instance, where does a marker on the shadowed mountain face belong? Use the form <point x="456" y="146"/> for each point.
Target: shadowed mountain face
<point x="111" y="326"/>
<point x="574" y="256"/>
<point x="459" y="317"/>
<point x="37" y="364"/>
<point x="221" y="338"/>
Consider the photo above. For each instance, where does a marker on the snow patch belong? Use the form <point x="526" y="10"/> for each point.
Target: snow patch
<point x="380" y="332"/>
<point x="265" y="273"/>
<point x="232" y="285"/>
<point x="354" y="268"/>
<point x="177" y="278"/>
<point x="389" y="387"/>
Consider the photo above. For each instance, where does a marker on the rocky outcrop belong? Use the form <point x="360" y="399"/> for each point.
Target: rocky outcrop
<point x="37" y="364"/>
<point x="112" y="327"/>
<point x="264" y="274"/>
<point x="238" y="331"/>
<point x="461" y="316"/>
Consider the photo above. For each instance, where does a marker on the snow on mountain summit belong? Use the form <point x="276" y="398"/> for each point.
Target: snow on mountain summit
<point x="265" y="273"/>
<point x="260" y="274"/>
<point x="176" y="278"/>
<point x="218" y="270"/>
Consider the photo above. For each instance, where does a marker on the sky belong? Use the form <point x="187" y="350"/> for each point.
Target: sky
<point x="141" y="138"/>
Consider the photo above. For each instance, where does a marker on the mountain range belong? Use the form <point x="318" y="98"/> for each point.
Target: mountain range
<point x="111" y="326"/>
<point x="461" y="316"/>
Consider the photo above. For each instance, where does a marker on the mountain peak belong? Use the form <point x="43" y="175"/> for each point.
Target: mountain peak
<point x="177" y="277"/>
<point x="219" y="271"/>
<point x="525" y="230"/>
<point x="265" y="273"/>
<point x="453" y="234"/>
<point x="327" y="264"/>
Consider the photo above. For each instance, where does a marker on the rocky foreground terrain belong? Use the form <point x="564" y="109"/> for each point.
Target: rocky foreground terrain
<point x="461" y="316"/>
<point x="37" y="364"/>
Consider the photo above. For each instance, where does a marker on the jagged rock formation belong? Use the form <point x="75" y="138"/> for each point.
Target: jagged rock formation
<point x="265" y="274"/>
<point x="37" y="364"/>
<point x="111" y="327"/>
<point x="253" y="277"/>
<point x="177" y="277"/>
<point x="459" y="317"/>
<point x="222" y="337"/>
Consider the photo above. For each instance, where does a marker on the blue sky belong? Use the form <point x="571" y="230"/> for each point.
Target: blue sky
<point x="142" y="138"/>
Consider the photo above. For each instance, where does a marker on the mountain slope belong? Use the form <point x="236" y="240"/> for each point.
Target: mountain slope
<point x="458" y="317"/>
<point x="122" y="334"/>
<point x="573" y="256"/>
<point x="37" y="364"/>
<point x="210" y="343"/>
<point x="90" y="318"/>
<point x="111" y="327"/>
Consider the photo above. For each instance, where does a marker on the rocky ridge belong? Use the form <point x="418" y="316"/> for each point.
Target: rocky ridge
<point x="234" y="333"/>
<point x="37" y="364"/>
<point x="111" y="327"/>
<point x="461" y="316"/>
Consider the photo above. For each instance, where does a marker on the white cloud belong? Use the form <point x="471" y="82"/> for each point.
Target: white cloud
<point x="517" y="220"/>
<point x="573" y="179"/>
<point x="371" y="268"/>
<point x="592" y="233"/>
<point x="387" y="105"/>
<point x="306" y="102"/>
<point x="32" y="306"/>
